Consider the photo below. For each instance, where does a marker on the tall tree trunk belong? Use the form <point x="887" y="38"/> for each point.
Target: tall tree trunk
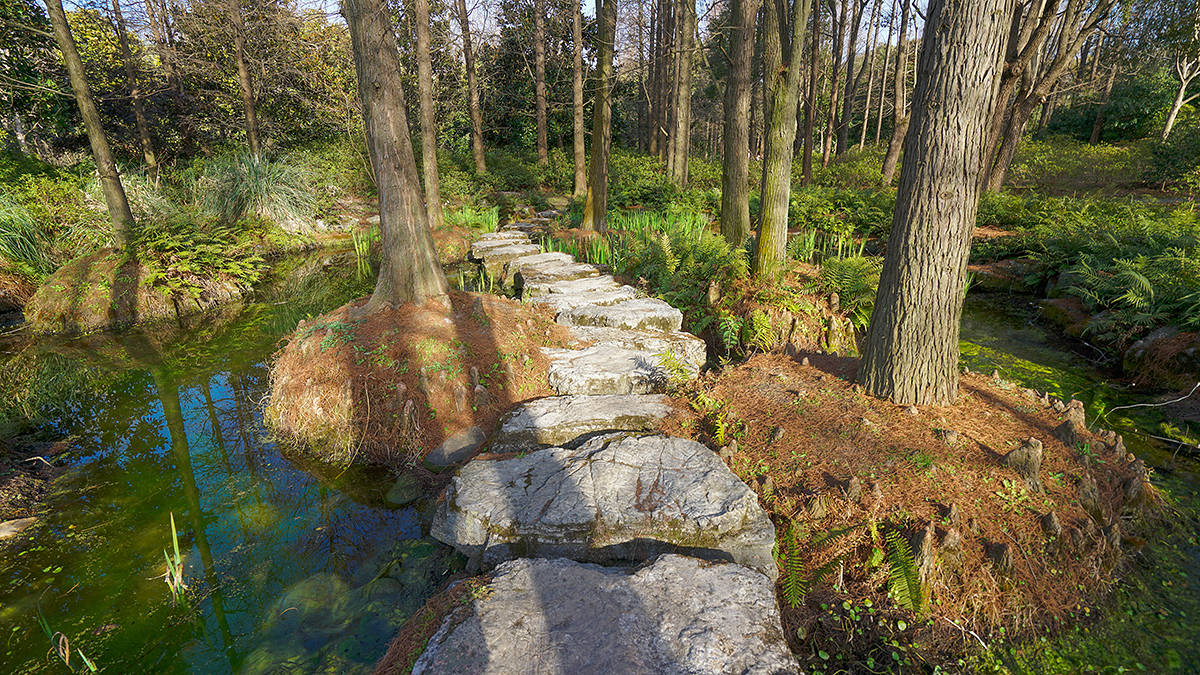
<point x="735" y="179"/>
<point x="244" y="81"/>
<point x="911" y="348"/>
<point x="1102" y="109"/>
<point x="811" y="100"/>
<point x="464" y="22"/>
<point x="106" y="168"/>
<point x="652" y="94"/>
<point x="429" y="167"/>
<point x="887" y="54"/>
<point x="409" y="271"/>
<point x="782" y="84"/>
<point x="838" y="26"/>
<point x="899" y="116"/>
<point x="539" y="81"/>
<point x="580" y="190"/>
<point x="681" y="132"/>
<point x="595" y="207"/>
<point x="135" y="91"/>
<point x="872" y="39"/>
<point x="852" y="78"/>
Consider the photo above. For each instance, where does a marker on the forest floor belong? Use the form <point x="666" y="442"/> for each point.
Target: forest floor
<point x="835" y="467"/>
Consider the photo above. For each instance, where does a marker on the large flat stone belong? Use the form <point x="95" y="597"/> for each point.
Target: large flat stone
<point x="480" y="247"/>
<point x="535" y="260"/>
<point x="497" y="258"/>
<point x="11" y="528"/>
<point x="636" y="313"/>
<point x="620" y="496"/>
<point x="563" y="302"/>
<point x="558" y="420"/>
<point x="603" y="369"/>
<point x="569" y="286"/>
<point x="675" y="616"/>
<point x="687" y="347"/>
<point x="457" y="448"/>
<point x="553" y="273"/>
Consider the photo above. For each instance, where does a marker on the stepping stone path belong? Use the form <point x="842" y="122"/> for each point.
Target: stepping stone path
<point x="592" y="482"/>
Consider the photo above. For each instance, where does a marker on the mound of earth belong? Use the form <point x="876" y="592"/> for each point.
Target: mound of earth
<point x="410" y="383"/>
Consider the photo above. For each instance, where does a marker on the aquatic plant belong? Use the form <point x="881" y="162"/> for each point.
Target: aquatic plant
<point x="174" y="575"/>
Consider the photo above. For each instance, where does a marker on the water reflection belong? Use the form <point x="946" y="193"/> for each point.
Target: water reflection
<point x="286" y="570"/>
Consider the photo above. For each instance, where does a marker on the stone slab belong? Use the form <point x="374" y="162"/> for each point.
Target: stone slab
<point x="636" y="313"/>
<point x="559" y="420"/>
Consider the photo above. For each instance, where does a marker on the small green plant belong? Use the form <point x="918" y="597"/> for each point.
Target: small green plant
<point x="676" y="368"/>
<point x="174" y="575"/>
<point x="904" y="581"/>
<point x="1013" y="496"/>
<point x="60" y="645"/>
<point x="799" y="580"/>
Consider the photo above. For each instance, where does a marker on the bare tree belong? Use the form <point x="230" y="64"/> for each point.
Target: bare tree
<point x="1183" y="37"/>
<point x="811" y="99"/>
<point x="595" y="207"/>
<point x="135" y="90"/>
<point x="429" y="167"/>
<point x="911" y="351"/>
<point x="539" y="79"/>
<point x="409" y="271"/>
<point x="899" y="115"/>
<point x="1031" y="70"/>
<point x="887" y="51"/>
<point x="243" y="70"/>
<point x="782" y="35"/>
<point x="464" y="20"/>
<point x="872" y="42"/>
<point x="681" y="118"/>
<point x="580" y="190"/>
<point x="735" y="177"/>
<point x="110" y="180"/>
<point x="852" y="79"/>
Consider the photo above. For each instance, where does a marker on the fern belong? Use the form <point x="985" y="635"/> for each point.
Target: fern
<point x="729" y="329"/>
<point x="904" y="581"/>
<point x="757" y="332"/>
<point x="676" y="368"/>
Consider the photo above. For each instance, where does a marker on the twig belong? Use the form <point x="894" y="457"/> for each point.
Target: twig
<point x="39" y="457"/>
<point x="1156" y="405"/>
<point x="966" y="630"/>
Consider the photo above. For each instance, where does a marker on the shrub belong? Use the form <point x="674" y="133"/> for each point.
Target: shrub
<point x="1066" y="164"/>
<point x="23" y="248"/>
<point x="1172" y="160"/>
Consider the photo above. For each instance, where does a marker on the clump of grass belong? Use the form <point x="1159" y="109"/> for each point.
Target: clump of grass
<point x="277" y="190"/>
<point x="174" y="575"/>
<point x="476" y="218"/>
<point x="23" y="247"/>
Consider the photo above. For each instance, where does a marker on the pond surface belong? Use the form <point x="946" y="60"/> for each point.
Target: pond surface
<point x="298" y="567"/>
<point x="290" y="566"/>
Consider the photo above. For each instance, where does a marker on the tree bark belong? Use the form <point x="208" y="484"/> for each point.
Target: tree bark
<point x="106" y="168"/>
<point x="244" y="81"/>
<point x="464" y="21"/>
<point x="409" y="271"/>
<point x="578" y="140"/>
<point x="595" y="207"/>
<point x="911" y="349"/>
<point x="539" y="69"/>
<point x="677" y="163"/>
<point x="429" y="167"/>
<point x="135" y="92"/>
<point x="735" y="178"/>
<point x="1101" y="111"/>
<point x="782" y="84"/>
<point x="899" y="116"/>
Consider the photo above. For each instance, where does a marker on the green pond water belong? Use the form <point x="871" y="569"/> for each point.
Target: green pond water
<point x="298" y="567"/>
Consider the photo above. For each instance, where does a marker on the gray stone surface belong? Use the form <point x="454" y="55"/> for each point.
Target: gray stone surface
<point x="571" y="286"/>
<point x="553" y="273"/>
<point x="457" y="448"/>
<point x="562" y="302"/>
<point x="675" y="616"/>
<point x="604" y="370"/>
<point x="11" y="528"/>
<point x="686" y="346"/>
<point x="495" y="259"/>
<point x="558" y="420"/>
<point x="633" y="314"/>
<point x="535" y="260"/>
<point x="619" y="496"/>
<point x="479" y="248"/>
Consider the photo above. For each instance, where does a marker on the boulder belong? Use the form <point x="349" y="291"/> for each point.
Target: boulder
<point x="457" y="448"/>
<point x="675" y="615"/>
<point x="496" y="258"/>
<point x="620" y="496"/>
<point x="1165" y="358"/>
<point x="534" y="260"/>
<point x="554" y="273"/>
<point x="637" y="313"/>
<point x="558" y="420"/>
<point x="11" y="528"/>
<point x="1068" y="314"/>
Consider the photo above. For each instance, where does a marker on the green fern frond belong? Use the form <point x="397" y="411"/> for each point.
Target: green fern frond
<point x="904" y="581"/>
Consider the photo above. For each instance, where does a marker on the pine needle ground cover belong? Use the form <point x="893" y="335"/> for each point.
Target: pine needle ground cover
<point x="390" y="387"/>
<point x="900" y="532"/>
